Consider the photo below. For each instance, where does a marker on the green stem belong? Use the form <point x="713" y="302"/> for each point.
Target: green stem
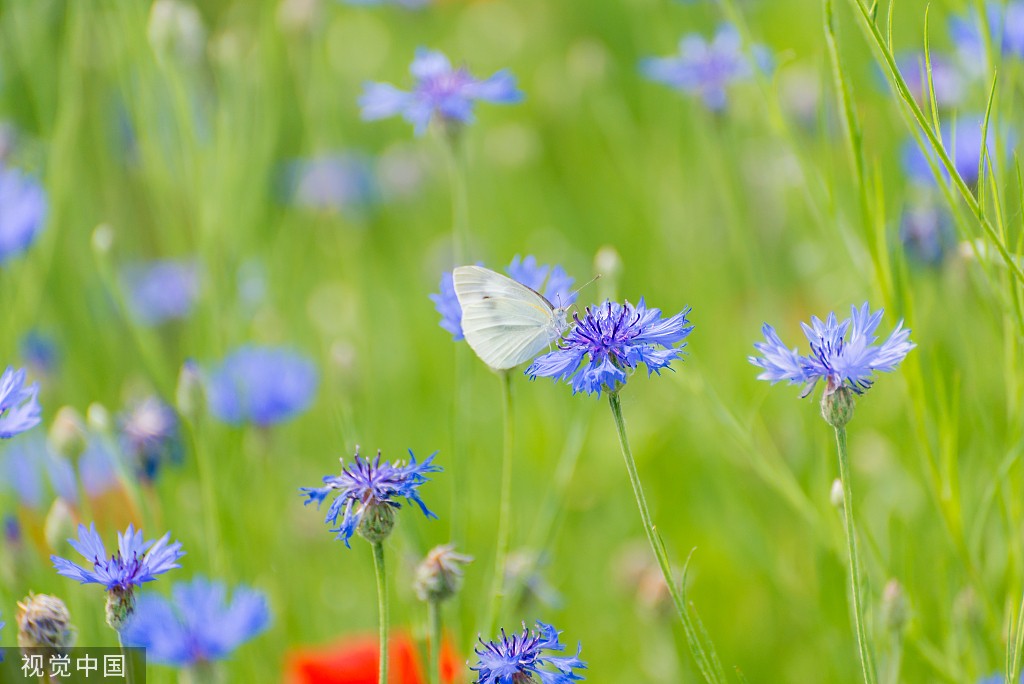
<point x="382" y="607"/>
<point x="867" y="661"/>
<point x="434" y="651"/>
<point x="498" y="582"/>
<point x="708" y="663"/>
<point x="460" y="205"/>
<point x="129" y="670"/>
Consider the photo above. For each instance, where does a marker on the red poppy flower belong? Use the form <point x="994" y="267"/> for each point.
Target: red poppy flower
<point x="355" y="660"/>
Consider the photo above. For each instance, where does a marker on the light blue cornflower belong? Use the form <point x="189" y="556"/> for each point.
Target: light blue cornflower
<point x="440" y="91"/>
<point x="161" y="290"/>
<point x="19" y="405"/>
<point x="707" y="69"/>
<point x="261" y="385"/>
<point x="150" y="436"/>
<point x="135" y="562"/>
<point x="330" y="182"/>
<point x="1006" y="29"/>
<point x="843" y="353"/>
<point x="963" y="144"/>
<point x="197" y="624"/>
<point x="551" y="281"/>
<point x="947" y="81"/>
<point x="407" y="4"/>
<point x="516" y="659"/>
<point x="367" y="491"/>
<point x="22" y="212"/>
<point x="22" y="471"/>
<point x="610" y="342"/>
<point x="996" y="679"/>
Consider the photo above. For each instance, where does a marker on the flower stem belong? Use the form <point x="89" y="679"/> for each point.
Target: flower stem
<point x="708" y="663"/>
<point x="866" y="659"/>
<point x="498" y="582"/>
<point x="434" y="652"/>
<point x="129" y="669"/>
<point x="382" y="607"/>
<point x="460" y="205"/>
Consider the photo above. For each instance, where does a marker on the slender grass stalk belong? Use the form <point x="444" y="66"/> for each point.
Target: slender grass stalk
<point x="498" y="581"/>
<point x="434" y="650"/>
<point x="460" y="204"/>
<point x="382" y="608"/>
<point x="707" y="659"/>
<point x="129" y="674"/>
<point x="867" y="661"/>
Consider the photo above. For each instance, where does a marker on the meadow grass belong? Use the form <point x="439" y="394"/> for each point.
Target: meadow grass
<point x="768" y="211"/>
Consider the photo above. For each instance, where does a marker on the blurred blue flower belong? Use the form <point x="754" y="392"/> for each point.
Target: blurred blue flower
<point x="836" y="357"/>
<point x="161" y="290"/>
<point x="407" y="4"/>
<point x="12" y="530"/>
<point x="551" y="281"/>
<point x="963" y="144"/>
<point x="439" y="91"/>
<point x="261" y="385"/>
<point x="150" y="437"/>
<point x="97" y="466"/>
<point x="135" y="562"/>
<point x="330" y="182"/>
<point x="926" y="232"/>
<point x="1005" y="26"/>
<point x="39" y="352"/>
<point x="198" y="624"/>
<point x="22" y="466"/>
<point x="62" y="476"/>
<point x="707" y="69"/>
<point x="22" y="212"/>
<point x="515" y="659"/>
<point x="947" y="81"/>
<point x="610" y="340"/>
<point x="19" y="406"/>
<point x="368" y="484"/>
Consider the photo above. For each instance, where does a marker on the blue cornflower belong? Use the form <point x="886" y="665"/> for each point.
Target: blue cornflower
<point x="22" y="466"/>
<point x="97" y="466"/>
<point x="515" y="659"/>
<point x="261" y="385"/>
<point x="843" y="353"/>
<point x="161" y="290"/>
<point x="135" y="562"/>
<point x="926" y="232"/>
<point x="963" y="144"/>
<point x="947" y="81"/>
<point x="198" y="624"/>
<point x="706" y="69"/>
<point x="407" y="4"/>
<point x="22" y="212"/>
<point x="150" y="436"/>
<point x="367" y="493"/>
<point x="551" y="281"/>
<point x="19" y="406"/>
<point x="330" y="182"/>
<point x="39" y="352"/>
<point x="613" y="338"/>
<point x="440" y="91"/>
<point x="1006" y="28"/>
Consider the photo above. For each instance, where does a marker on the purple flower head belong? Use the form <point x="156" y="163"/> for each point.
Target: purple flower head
<point x="19" y="406"/>
<point x="135" y="562"/>
<point x="947" y="80"/>
<point x="707" y="69"/>
<point x="609" y="342"/>
<point x="330" y="182"/>
<point x="1005" y="26"/>
<point x="842" y="353"/>
<point x="161" y="290"/>
<point x="150" y="436"/>
<point x="369" y="484"/>
<point x="197" y="624"/>
<point x="261" y="385"/>
<point x="516" y="659"/>
<point x="962" y="142"/>
<point x="439" y="91"/>
<point x="22" y="212"/>
<point x="551" y="281"/>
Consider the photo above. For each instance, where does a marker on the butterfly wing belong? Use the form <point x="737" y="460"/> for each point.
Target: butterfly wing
<point x="504" y="322"/>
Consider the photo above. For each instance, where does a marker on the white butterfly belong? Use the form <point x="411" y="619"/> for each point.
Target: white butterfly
<point x="505" y="322"/>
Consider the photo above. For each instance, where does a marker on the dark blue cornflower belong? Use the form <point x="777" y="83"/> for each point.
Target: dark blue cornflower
<point x="963" y="144"/>
<point x="947" y="81"/>
<point x="551" y="281"/>
<point x="843" y="353"/>
<point x="516" y="659"/>
<point x="150" y="437"/>
<point x="609" y="342"/>
<point x="440" y="91"/>
<point x="161" y="290"/>
<point x="707" y="69"/>
<point x="368" y="490"/>
<point x="22" y="212"/>
<point x="19" y="406"/>
<point x="261" y="385"/>
<point x="1005" y="26"/>
<point x="330" y="182"/>
<point x="198" y="624"/>
<point x="136" y="561"/>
